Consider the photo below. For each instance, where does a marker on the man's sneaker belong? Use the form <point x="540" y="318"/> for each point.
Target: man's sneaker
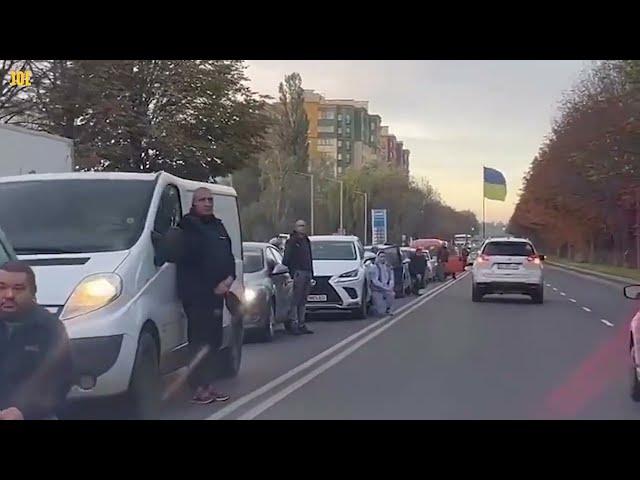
<point x="202" y="397"/>
<point x="217" y="396"/>
<point x="305" y="330"/>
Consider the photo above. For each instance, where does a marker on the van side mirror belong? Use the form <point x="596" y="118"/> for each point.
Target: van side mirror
<point x="632" y="292"/>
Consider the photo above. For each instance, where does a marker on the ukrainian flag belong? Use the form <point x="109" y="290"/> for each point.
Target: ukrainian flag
<point x="495" y="186"/>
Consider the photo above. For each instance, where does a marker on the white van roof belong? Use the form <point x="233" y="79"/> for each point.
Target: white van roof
<point x="189" y="184"/>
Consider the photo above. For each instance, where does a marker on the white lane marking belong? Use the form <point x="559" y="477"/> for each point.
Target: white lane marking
<point x="608" y="324"/>
<point x="271" y="401"/>
<point x="548" y="284"/>
<point x="573" y="300"/>
<point x="586" y="309"/>
<point x="563" y="294"/>
<point x="555" y="289"/>
<point x="312" y="361"/>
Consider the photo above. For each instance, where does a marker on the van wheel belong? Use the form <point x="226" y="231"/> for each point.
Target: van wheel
<point x="145" y="386"/>
<point x="231" y="357"/>
<point x="267" y="331"/>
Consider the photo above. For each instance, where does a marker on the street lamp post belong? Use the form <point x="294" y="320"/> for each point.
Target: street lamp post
<point x="366" y="198"/>
<point x="341" y="185"/>
<point x="310" y="175"/>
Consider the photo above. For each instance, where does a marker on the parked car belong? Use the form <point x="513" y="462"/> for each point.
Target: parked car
<point x="95" y="241"/>
<point x="633" y="292"/>
<point x="268" y="289"/>
<point x="340" y="275"/>
<point x="400" y="266"/>
<point x="6" y="250"/>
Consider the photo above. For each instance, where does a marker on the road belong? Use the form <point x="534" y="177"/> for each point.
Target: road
<point x="443" y="357"/>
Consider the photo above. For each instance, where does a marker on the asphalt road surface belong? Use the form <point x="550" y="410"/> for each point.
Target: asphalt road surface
<point x="443" y="357"/>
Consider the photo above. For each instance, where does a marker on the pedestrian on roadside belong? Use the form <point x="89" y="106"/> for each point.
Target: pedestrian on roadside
<point x="206" y="272"/>
<point x="299" y="260"/>
<point x="417" y="269"/>
<point x="443" y="260"/>
<point x="382" y="285"/>
<point x="35" y="357"/>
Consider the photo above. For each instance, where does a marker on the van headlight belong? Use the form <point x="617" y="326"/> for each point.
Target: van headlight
<point x="92" y="293"/>
<point x="249" y="295"/>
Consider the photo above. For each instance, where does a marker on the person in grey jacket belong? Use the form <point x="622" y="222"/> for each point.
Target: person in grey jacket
<point x="382" y="285"/>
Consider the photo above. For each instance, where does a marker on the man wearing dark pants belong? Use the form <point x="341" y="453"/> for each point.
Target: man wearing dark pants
<point x="206" y="272"/>
<point x="297" y="256"/>
<point x="36" y="368"/>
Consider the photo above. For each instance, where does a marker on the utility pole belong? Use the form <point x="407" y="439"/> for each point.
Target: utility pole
<point x="310" y="175"/>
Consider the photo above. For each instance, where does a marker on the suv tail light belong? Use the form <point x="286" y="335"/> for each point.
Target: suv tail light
<point x="483" y="258"/>
<point x="534" y="259"/>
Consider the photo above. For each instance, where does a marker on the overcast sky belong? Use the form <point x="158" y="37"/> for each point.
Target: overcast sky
<point x="454" y="116"/>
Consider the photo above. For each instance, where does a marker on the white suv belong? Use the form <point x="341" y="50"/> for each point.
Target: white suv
<point x="339" y="274"/>
<point x="508" y="265"/>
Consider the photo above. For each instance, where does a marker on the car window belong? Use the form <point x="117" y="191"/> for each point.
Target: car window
<point x="253" y="260"/>
<point x="333" y="250"/>
<point x="169" y="210"/>
<point x="276" y="253"/>
<point x="226" y="209"/>
<point x="271" y="259"/>
<point x="4" y="256"/>
<point x="393" y="257"/>
<point x="509" y="249"/>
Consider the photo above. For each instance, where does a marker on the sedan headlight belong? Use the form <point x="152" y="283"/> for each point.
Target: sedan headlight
<point x="351" y="274"/>
<point x="250" y="295"/>
<point x="92" y="293"/>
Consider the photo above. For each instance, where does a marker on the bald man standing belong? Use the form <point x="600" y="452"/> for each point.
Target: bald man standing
<point x="205" y="274"/>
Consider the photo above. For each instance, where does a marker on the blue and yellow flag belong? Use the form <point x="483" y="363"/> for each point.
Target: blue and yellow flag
<point x="495" y="186"/>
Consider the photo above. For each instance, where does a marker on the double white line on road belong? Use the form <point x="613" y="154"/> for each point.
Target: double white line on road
<point x="383" y="323"/>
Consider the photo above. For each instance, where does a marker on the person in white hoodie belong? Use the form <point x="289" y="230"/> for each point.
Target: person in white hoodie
<point x="382" y="285"/>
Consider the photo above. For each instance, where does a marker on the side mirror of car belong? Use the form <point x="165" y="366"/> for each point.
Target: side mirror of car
<point x="632" y="292"/>
<point x="280" y="269"/>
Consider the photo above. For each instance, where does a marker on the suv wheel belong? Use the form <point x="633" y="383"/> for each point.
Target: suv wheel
<point x="361" y="313"/>
<point x="538" y="296"/>
<point x="476" y="295"/>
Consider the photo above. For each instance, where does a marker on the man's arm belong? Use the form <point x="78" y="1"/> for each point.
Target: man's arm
<point x="288" y="252"/>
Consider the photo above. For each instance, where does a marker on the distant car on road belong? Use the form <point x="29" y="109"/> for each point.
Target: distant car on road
<point x="633" y="292"/>
<point x="508" y="265"/>
<point x="268" y="289"/>
<point x="340" y="274"/>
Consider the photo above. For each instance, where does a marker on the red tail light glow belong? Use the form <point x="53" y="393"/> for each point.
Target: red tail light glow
<point x="534" y="259"/>
<point x="483" y="258"/>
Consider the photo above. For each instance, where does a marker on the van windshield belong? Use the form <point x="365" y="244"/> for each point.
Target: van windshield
<point x="74" y="216"/>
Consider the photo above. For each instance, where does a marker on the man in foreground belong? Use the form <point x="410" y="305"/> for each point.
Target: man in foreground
<point x="35" y="358"/>
<point x="206" y="272"/>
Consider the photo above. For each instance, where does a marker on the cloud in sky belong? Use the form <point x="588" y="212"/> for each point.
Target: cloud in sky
<point x="454" y="116"/>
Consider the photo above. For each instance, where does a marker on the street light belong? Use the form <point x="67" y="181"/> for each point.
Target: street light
<point x="366" y="197"/>
<point x="341" y="184"/>
<point x="310" y="175"/>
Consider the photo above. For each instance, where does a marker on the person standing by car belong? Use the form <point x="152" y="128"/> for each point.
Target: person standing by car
<point x="443" y="259"/>
<point x="35" y="358"/>
<point x="298" y="258"/>
<point x="417" y="269"/>
<point x="206" y="272"/>
<point x="382" y="285"/>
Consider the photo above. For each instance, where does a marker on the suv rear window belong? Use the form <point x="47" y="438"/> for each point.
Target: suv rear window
<point x="509" y="249"/>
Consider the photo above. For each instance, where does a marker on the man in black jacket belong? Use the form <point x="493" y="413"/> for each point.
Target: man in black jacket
<point x="35" y="359"/>
<point x="206" y="272"/>
<point x="417" y="269"/>
<point x="297" y="256"/>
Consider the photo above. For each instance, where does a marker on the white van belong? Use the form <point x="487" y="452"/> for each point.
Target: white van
<point x="88" y="237"/>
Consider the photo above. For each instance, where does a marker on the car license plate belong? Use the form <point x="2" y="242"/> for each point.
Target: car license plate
<point x="508" y="266"/>
<point x="316" y="298"/>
